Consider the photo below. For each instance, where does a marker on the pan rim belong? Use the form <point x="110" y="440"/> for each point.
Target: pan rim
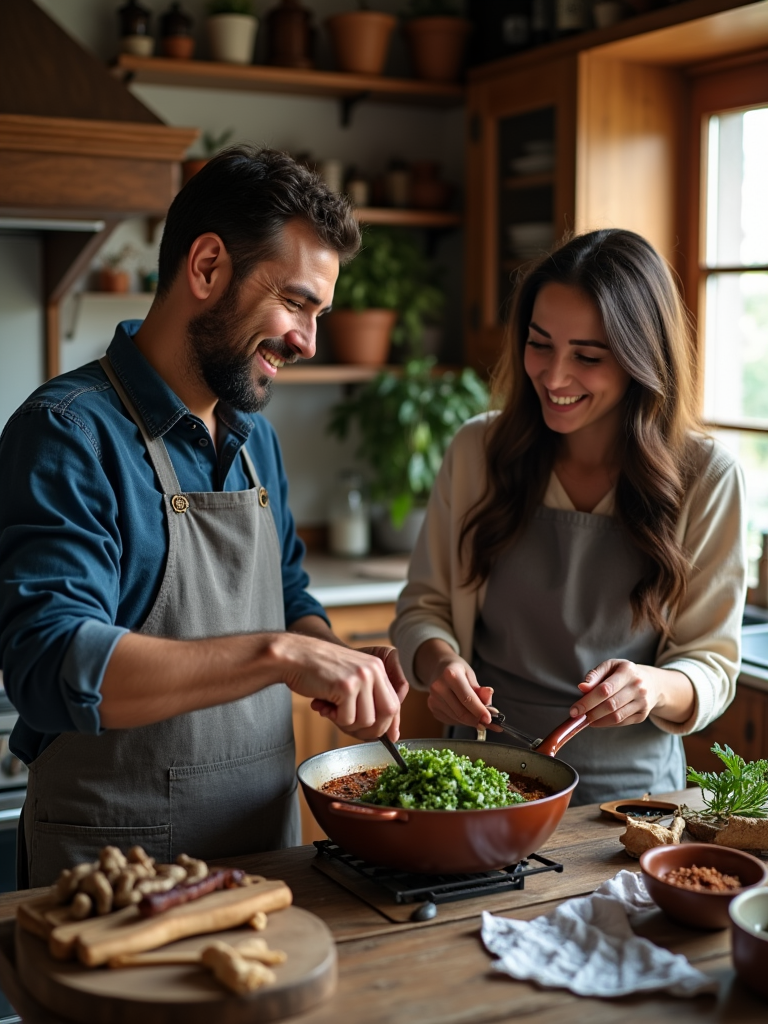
<point x="423" y="810"/>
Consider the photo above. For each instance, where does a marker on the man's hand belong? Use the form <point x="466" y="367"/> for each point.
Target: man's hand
<point x="391" y="662"/>
<point x="350" y="687"/>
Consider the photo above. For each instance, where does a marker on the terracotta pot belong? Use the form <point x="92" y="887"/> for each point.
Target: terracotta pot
<point x="180" y="47"/>
<point x="436" y="46"/>
<point x="114" y="280"/>
<point x="190" y="168"/>
<point x="231" y="37"/>
<point x="360" y="40"/>
<point x="361" y="337"/>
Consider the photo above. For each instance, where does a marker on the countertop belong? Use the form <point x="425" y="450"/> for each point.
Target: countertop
<point x="345" y="581"/>
<point x="438" y="972"/>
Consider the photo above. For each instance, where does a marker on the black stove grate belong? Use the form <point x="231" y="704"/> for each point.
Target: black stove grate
<point x="412" y="888"/>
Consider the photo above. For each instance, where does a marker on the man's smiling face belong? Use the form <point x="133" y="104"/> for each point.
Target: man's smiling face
<point x="265" y="321"/>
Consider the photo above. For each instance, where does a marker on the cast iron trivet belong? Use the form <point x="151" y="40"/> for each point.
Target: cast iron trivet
<point x="429" y="890"/>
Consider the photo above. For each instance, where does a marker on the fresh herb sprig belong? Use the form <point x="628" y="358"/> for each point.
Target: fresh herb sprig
<point x="741" y="789"/>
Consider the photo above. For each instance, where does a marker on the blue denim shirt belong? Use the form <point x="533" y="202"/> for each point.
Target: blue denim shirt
<point x="83" y="538"/>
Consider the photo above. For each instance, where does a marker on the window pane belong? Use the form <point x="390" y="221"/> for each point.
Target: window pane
<point x="737" y="196"/>
<point x="736" y="352"/>
<point x="752" y="452"/>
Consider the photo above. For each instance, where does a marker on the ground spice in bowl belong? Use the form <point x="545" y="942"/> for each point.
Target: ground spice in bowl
<point x="702" y="879"/>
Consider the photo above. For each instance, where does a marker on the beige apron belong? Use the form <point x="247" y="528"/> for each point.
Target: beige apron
<point x="213" y="783"/>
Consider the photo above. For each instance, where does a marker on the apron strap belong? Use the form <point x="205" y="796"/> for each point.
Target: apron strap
<point x="158" y="453"/>
<point x="250" y="469"/>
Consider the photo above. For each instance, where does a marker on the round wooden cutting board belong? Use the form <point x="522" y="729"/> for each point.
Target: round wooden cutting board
<point x="185" y="994"/>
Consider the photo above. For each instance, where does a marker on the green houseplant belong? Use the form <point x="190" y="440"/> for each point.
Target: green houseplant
<point x="390" y="289"/>
<point x="405" y="421"/>
<point x="436" y="35"/>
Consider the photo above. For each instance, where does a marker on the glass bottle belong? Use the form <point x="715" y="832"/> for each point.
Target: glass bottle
<point x="135" y="32"/>
<point x="571" y="16"/>
<point x="515" y="25"/>
<point x="349" y="525"/>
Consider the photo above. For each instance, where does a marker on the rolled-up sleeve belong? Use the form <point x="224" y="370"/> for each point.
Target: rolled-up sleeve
<point x="705" y="640"/>
<point x="59" y="570"/>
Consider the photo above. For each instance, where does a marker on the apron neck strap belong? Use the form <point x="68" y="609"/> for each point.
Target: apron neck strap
<point x="156" y="449"/>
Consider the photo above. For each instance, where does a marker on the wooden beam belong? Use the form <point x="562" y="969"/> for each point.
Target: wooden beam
<point x="66" y="255"/>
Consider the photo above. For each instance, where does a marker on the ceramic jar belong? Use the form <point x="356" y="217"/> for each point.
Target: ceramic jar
<point x="135" y="29"/>
<point x="290" y="35"/>
<point x="176" y="39"/>
<point x="232" y="37"/>
<point x="398" y="184"/>
<point x="437" y="46"/>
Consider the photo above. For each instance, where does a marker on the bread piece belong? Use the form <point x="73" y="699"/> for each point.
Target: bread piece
<point x="643" y="835"/>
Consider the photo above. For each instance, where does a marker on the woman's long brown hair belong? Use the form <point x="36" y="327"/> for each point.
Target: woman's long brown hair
<point x="649" y="333"/>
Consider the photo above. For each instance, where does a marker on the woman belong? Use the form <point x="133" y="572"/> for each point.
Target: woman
<point x="584" y="548"/>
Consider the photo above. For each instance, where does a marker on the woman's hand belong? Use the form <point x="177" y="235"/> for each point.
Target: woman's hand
<point x="455" y="697"/>
<point x="619" y="692"/>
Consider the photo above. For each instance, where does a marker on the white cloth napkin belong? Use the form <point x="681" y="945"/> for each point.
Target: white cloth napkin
<point x="587" y="945"/>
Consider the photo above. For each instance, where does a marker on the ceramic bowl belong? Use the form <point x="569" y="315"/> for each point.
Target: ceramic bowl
<point x="749" y="938"/>
<point x="698" y="909"/>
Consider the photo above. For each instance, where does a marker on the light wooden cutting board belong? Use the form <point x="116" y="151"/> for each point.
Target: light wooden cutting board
<point x="185" y="994"/>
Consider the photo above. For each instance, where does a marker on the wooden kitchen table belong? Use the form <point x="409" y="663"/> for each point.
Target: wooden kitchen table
<point x="438" y="972"/>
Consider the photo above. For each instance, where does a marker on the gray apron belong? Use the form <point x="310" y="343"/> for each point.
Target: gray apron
<point x="557" y="604"/>
<point x="213" y="783"/>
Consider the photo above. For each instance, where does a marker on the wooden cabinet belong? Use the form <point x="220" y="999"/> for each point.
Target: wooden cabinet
<point x="613" y="109"/>
<point x="743" y="727"/>
<point x="358" y="626"/>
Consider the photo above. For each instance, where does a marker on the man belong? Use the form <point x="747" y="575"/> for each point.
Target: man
<point x="149" y="562"/>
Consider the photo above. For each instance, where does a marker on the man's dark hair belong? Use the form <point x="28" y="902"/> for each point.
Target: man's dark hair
<point x="246" y="196"/>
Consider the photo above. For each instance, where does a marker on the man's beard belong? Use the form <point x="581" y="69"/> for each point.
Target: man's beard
<point x="220" y="355"/>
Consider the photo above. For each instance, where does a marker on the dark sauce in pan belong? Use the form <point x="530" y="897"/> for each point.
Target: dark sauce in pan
<point x="352" y="786"/>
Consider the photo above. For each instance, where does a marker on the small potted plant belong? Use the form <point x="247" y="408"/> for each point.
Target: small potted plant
<point x="360" y="39"/>
<point x="211" y="145"/>
<point x="386" y="295"/>
<point x="231" y="26"/>
<point x="405" y="421"/>
<point x="113" y="274"/>
<point x="437" y="37"/>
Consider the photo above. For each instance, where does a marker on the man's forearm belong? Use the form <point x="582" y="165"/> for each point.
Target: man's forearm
<point x="148" y="679"/>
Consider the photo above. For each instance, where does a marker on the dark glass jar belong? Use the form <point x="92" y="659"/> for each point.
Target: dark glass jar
<point x="134" y="19"/>
<point x="290" y="35"/>
<point x="176" y="38"/>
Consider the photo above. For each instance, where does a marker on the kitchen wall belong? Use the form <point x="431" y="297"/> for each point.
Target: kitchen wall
<point x="297" y="124"/>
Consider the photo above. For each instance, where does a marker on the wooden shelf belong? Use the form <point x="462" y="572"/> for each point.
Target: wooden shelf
<point x="342" y="373"/>
<point x="408" y="218"/>
<point x="205" y="74"/>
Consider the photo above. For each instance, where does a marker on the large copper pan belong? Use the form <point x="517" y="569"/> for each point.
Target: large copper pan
<point x="443" y="842"/>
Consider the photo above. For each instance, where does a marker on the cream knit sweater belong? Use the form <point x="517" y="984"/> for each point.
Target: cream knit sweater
<point x="705" y="640"/>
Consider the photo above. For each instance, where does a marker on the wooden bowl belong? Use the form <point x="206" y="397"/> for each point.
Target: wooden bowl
<point x="749" y="938"/>
<point x="699" y="909"/>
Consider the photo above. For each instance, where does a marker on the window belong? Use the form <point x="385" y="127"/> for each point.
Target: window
<point x="730" y="286"/>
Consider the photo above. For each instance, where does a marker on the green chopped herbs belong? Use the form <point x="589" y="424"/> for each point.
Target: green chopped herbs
<point x="741" y="789"/>
<point x="440" y="780"/>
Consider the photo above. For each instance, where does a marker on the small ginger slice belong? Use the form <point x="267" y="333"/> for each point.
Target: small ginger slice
<point x="259" y="921"/>
<point x="138" y="855"/>
<point x="196" y="870"/>
<point x="233" y="971"/>
<point x="81" y="906"/>
<point x="257" y="949"/>
<point x="98" y="888"/>
<point x="112" y="861"/>
<point x="643" y="835"/>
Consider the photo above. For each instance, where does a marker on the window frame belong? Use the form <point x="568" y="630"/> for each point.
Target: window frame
<point x="726" y="86"/>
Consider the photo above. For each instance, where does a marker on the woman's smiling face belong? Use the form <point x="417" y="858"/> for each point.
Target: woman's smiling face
<point x="569" y="361"/>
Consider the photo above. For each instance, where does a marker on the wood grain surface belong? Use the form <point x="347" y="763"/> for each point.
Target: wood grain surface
<point x="185" y="994"/>
<point x="439" y="973"/>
